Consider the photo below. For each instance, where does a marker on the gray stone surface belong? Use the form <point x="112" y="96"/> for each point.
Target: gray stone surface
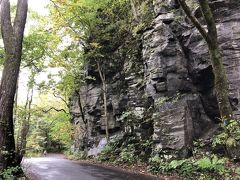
<point x="173" y="77"/>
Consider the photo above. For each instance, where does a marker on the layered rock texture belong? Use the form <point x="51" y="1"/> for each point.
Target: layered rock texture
<point x="165" y="91"/>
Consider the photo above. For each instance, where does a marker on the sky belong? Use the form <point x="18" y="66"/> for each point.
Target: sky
<point x="40" y="7"/>
<point x="37" y="5"/>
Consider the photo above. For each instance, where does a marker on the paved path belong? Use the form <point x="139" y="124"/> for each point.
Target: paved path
<point x="58" y="168"/>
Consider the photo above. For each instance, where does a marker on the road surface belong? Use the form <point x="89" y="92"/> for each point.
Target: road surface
<point x="58" y="168"/>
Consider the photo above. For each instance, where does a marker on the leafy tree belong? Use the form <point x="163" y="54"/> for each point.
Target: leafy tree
<point x="50" y="126"/>
<point x="37" y="48"/>
<point x="94" y="30"/>
<point x="111" y="26"/>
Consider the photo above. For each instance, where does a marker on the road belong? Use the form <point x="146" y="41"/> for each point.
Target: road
<point x="58" y="168"/>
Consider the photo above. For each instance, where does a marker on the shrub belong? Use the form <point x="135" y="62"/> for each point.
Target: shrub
<point x="76" y="155"/>
<point x="109" y="152"/>
<point x="212" y="164"/>
<point x="8" y="173"/>
<point x="204" y="167"/>
<point x="127" y="155"/>
<point x="230" y="139"/>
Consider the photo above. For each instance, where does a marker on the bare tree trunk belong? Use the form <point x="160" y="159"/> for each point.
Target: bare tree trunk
<point x="210" y="36"/>
<point x="105" y="108"/>
<point x="15" y="105"/>
<point x="12" y="39"/>
<point x="134" y="11"/>
<point x="21" y="145"/>
<point x="104" y="89"/>
<point x="21" y="124"/>
<point x="16" y="120"/>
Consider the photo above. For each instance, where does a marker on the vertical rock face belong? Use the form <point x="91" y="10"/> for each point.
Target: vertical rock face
<point x="90" y="99"/>
<point x="227" y="18"/>
<point x="169" y="84"/>
<point x="179" y="115"/>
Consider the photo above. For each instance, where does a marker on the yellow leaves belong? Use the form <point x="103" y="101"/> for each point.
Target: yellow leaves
<point x="231" y="142"/>
<point x="95" y="45"/>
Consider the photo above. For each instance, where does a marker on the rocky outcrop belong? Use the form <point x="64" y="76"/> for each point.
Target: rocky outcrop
<point x="167" y="84"/>
<point x="179" y="115"/>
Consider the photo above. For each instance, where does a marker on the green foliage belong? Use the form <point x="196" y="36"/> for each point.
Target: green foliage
<point x="93" y="31"/>
<point x="50" y="131"/>
<point x="183" y="167"/>
<point x="145" y="15"/>
<point x="126" y="150"/>
<point x="2" y="53"/>
<point x="191" y="168"/>
<point x="36" y="142"/>
<point x="8" y="174"/>
<point x="213" y="164"/>
<point x="127" y="154"/>
<point x="197" y="147"/>
<point x="131" y="117"/>
<point x="78" y="155"/>
<point x="204" y="163"/>
<point x="160" y="101"/>
<point x="230" y="137"/>
<point x="109" y="152"/>
<point x="75" y="17"/>
<point x="61" y="128"/>
<point x="237" y="173"/>
<point x="110" y="32"/>
<point x="37" y="46"/>
<point x="173" y="99"/>
<point x="193" y="4"/>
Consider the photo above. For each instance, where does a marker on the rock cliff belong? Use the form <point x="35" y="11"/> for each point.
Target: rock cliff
<point x="163" y="89"/>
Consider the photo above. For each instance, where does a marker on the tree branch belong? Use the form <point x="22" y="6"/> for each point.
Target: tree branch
<point x="193" y="19"/>
<point x="6" y="26"/>
<point x="67" y="23"/>
<point x="55" y="109"/>
<point x="100" y="72"/>
<point x="134" y="11"/>
<point x="58" y="96"/>
<point x="20" y="19"/>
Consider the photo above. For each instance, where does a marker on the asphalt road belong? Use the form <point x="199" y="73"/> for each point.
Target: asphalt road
<point x="58" y="168"/>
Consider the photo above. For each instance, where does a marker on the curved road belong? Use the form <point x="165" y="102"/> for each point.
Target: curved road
<point x="58" y="168"/>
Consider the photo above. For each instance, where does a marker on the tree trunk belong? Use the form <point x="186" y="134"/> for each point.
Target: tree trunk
<point x="105" y="108"/>
<point x="221" y="86"/>
<point x="104" y="89"/>
<point x="12" y="39"/>
<point x="15" y="104"/>
<point x="21" y="148"/>
<point x="134" y="11"/>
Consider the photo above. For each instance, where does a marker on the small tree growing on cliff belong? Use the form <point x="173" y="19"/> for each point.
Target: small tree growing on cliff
<point x="210" y="36"/>
<point x="104" y="90"/>
<point x="98" y="57"/>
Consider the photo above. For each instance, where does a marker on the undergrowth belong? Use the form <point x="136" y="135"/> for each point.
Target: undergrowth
<point x="10" y="173"/>
<point x="202" y="165"/>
